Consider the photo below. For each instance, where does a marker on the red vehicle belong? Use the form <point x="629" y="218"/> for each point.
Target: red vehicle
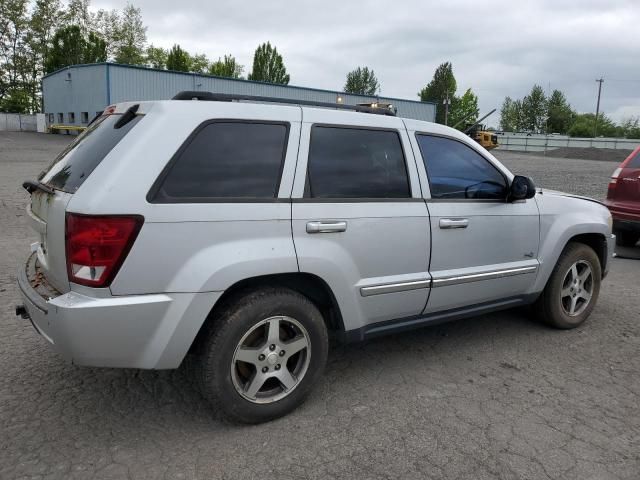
<point x="623" y="200"/>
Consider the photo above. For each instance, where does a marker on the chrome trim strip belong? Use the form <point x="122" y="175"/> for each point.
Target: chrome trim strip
<point x="475" y="277"/>
<point x="394" y="287"/>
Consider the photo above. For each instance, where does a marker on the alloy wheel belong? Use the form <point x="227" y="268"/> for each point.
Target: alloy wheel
<point x="271" y="359"/>
<point x="577" y="288"/>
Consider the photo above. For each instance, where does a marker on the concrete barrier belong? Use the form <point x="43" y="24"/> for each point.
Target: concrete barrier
<point x="16" y="122"/>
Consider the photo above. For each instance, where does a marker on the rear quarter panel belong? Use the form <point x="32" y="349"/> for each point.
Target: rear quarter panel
<point x="191" y="247"/>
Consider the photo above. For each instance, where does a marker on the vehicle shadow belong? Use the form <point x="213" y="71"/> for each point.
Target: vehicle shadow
<point x="64" y="399"/>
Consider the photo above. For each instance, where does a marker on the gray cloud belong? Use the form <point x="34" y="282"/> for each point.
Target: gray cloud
<point x="497" y="48"/>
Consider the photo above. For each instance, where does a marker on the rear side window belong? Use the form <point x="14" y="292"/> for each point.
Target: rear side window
<point x="456" y="171"/>
<point x="226" y="159"/>
<point x="76" y="162"/>
<point x="356" y="163"/>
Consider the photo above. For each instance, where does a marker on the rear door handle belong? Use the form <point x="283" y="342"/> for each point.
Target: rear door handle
<point x="326" y="226"/>
<point x="454" y="223"/>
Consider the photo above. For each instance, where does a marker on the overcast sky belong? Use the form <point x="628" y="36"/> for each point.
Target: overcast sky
<point x="497" y="48"/>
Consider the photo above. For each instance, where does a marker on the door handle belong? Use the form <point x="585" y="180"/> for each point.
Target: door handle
<point x="326" y="227"/>
<point x="454" y="223"/>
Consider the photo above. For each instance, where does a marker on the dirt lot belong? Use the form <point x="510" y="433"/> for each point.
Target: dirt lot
<point x="497" y="396"/>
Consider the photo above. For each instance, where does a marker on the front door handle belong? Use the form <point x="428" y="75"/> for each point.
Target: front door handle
<point x="326" y="226"/>
<point x="454" y="223"/>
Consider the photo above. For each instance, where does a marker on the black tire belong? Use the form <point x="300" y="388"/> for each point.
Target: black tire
<point x="549" y="306"/>
<point x="625" y="238"/>
<point x="218" y="345"/>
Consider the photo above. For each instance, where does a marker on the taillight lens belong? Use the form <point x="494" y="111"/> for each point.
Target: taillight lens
<point x="97" y="245"/>
<point x="613" y="182"/>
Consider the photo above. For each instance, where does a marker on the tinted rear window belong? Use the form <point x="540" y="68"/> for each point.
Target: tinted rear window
<point x="227" y="160"/>
<point x="76" y="162"/>
<point x="356" y="163"/>
<point x="635" y="161"/>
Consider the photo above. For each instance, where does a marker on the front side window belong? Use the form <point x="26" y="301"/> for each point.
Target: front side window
<point x="226" y="159"/>
<point x="456" y="171"/>
<point x="356" y="163"/>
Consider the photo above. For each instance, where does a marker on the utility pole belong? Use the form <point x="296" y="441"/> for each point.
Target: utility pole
<point x="595" y="127"/>
<point x="446" y="103"/>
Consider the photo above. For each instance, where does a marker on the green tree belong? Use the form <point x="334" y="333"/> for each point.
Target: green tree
<point x="44" y="20"/>
<point x="464" y="110"/>
<point x="362" y="81"/>
<point x="268" y="66"/>
<point x="561" y="114"/>
<point x="67" y="48"/>
<point x="106" y="23"/>
<point x="77" y="13"/>
<point x="584" y="123"/>
<point x="13" y="47"/>
<point x="199" y="63"/>
<point x="534" y="110"/>
<point x="442" y="86"/>
<point x="508" y="117"/>
<point x="178" y="59"/>
<point x="95" y="49"/>
<point x="130" y="37"/>
<point x="156" y="57"/>
<point x="630" y="127"/>
<point x="226" y="67"/>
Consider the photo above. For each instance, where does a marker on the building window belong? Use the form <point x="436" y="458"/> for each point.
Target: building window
<point x="51" y="117"/>
<point x="84" y="117"/>
<point x="60" y="118"/>
<point x="72" y="117"/>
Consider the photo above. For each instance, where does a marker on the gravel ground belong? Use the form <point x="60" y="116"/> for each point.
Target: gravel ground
<point x="581" y="177"/>
<point x="497" y="396"/>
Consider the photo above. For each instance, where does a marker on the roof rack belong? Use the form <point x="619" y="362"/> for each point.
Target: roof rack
<point x="387" y="109"/>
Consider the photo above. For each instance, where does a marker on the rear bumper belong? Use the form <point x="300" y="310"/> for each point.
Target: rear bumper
<point x="138" y="331"/>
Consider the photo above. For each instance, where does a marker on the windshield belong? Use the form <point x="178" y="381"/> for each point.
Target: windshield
<point x="76" y="162"/>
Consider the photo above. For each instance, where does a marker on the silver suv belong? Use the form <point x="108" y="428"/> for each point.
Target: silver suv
<point x="240" y="234"/>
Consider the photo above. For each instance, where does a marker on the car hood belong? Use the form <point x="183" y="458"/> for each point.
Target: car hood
<point x="556" y="193"/>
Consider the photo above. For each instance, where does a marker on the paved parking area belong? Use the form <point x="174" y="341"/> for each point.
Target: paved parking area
<point x="497" y="396"/>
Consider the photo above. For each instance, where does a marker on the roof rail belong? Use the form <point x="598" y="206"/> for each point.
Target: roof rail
<point x="226" y="97"/>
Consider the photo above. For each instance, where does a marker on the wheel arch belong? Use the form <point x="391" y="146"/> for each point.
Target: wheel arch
<point x="309" y="285"/>
<point x="550" y="252"/>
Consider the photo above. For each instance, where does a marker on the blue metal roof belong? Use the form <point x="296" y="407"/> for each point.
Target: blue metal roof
<point x="192" y="74"/>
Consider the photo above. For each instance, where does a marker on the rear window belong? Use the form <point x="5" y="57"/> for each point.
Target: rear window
<point x="76" y="162"/>
<point x="225" y="160"/>
<point x="635" y="161"/>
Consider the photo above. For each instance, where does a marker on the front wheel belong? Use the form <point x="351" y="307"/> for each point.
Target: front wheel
<point x="262" y="355"/>
<point x="572" y="290"/>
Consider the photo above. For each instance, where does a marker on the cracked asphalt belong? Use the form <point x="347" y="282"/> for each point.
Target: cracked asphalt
<point x="497" y="396"/>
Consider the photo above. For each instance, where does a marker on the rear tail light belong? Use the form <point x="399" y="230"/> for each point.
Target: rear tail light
<point x="97" y="245"/>
<point x="613" y="182"/>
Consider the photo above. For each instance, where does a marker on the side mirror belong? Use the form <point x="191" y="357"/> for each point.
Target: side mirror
<point x="522" y="188"/>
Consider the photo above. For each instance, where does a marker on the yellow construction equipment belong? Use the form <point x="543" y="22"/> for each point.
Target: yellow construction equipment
<point x="478" y="131"/>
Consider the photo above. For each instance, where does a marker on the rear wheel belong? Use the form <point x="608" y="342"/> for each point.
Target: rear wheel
<point x="572" y="290"/>
<point x="625" y="238"/>
<point x="262" y="355"/>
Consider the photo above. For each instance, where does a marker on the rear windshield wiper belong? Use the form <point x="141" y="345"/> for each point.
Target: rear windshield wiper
<point x="31" y="185"/>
